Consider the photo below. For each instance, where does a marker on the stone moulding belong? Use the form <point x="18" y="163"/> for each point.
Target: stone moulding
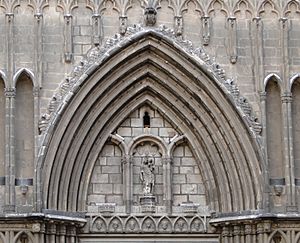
<point x="148" y="224"/>
<point x="98" y="55"/>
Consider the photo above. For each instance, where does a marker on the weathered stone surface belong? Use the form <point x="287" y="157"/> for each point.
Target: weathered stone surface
<point x="220" y="81"/>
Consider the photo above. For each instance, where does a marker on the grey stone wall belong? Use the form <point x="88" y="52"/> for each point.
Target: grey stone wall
<point x="256" y="42"/>
<point x="107" y="183"/>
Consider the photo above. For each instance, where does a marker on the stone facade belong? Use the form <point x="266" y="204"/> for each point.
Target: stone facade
<point x="149" y="121"/>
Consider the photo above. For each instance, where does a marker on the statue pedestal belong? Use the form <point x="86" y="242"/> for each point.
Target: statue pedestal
<point x="148" y="203"/>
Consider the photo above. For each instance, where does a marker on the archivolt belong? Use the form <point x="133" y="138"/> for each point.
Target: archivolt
<point x="151" y="69"/>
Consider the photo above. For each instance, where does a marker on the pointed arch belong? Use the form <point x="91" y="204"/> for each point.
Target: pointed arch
<point x="174" y="143"/>
<point x="199" y="8"/>
<point x="297" y="238"/>
<point x="24" y="124"/>
<point x="2" y="237"/>
<point x="150" y="224"/>
<point x="119" y="141"/>
<point x="247" y="7"/>
<point x="28" y="234"/>
<point x="181" y="225"/>
<point x="4" y="78"/>
<point x="222" y="7"/>
<point x="277" y="233"/>
<point x="197" y="224"/>
<point x="187" y="94"/>
<point x="268" y="5"/>
<point x="292" y="8"/>
<point x="164" y="225"/>
<point x="115" y="225"/>
<point x="98" y="224"/>
<point x="292" y="80"/>
<point x="28" y="73"/>
<point x="273" y="77"/>
<point x="135" y="227"/>
<point x="274" y="123"/>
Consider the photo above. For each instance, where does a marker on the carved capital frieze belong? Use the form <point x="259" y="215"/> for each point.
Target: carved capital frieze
<point x="286" y="98"/>
<point x="10" y="92"/>
<point x="148" y="224"/>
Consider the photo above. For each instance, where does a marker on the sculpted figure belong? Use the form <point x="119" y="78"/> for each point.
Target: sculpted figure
<point x="147" y="175"/>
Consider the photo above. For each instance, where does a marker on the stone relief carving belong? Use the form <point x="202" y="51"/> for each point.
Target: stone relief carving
<point x="98" y="225"/>
<point x="132" y="225"/>
<point x="165" y="225"/>
<point x="148" y="224"/>
<point x="197" y="225"/>
<point x="115" y="225"/>
<point x="99" y="53"/>
<point x="181" y="225"/>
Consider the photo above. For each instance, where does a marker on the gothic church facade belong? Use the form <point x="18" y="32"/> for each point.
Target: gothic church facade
<point x="149" y="121"/>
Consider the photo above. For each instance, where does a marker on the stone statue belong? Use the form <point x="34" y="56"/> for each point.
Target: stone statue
<point x="147" y="175"/>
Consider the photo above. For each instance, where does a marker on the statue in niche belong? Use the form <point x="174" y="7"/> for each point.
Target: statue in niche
<point x="147" y="175"/>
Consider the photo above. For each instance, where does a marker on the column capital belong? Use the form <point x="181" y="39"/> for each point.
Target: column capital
<point x="126" y="159"/>
<point x="286" y="97"/>
<point x="226" y="231"/>
<point x="167" y="160"/>
<point x="263" y="95"/>
<point x="237" y="230"/>
<point x="36" y="91"/>
<point x="10" y="92"/>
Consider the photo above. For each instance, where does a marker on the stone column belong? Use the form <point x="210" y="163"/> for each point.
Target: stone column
<point x="167" y="179"/>
<point x="127" y="182"/>
<point x="288" y="150"/>
<point x="71" y="234"/>
<point x="10" y="94"/>
<point x="62" y="233"/>
<point x="262" y="230"/>
<point x="248" y="233"/>
<point x="263" y="97"/>
<point x="51" y="232"/>
<point x="260" y="233"/>
<point x="226" y="234"/>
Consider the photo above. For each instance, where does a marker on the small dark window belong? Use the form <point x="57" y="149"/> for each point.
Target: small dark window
<point x="146" y="119"/>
